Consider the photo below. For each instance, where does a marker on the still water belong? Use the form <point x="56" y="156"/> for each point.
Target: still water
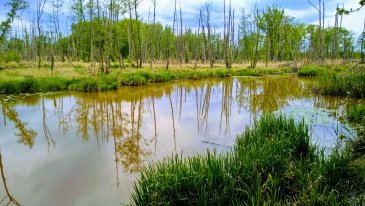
<point x="88" y="148"/>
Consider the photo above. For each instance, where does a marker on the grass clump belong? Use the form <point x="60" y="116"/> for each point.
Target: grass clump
<point x="351" y="85"/>
<point x="33" y="85"/>
<point x="356" y="113"/>
<point x="272" y="163"/>
<point x="261" y="71"/>
<point x="311" y="71"/>
<point x="133" y="79"/>
<point x="94" y="84"/>
<point x="27" y="85"/>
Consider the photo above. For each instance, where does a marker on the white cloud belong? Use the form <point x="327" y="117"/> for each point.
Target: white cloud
<point x="190" y="9"/>
<point x="353" y="22"/>
<point x="300" y="13"/>
<point x="301" y="10"/>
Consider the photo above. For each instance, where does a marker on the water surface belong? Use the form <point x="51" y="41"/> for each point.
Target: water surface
<point x="88" y="148"/>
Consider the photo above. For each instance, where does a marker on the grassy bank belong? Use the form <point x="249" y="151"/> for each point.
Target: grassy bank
<point x="350" y="84"/>
<point x="312" y="71"/>
<point x="30" y="84"/>
<point x="272" y="163"/>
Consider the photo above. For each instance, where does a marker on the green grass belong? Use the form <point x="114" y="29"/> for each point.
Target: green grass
<point x="356" y="113"/>
<point x="33" y="85"/>
<point x="261" y="71"/>
<point x="311" y="71"/>
<point x="351" y="85"/>
<point x="119" y="78"/>
<point x="272" y="163"/>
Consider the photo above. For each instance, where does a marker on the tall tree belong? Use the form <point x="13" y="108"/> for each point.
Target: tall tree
<point x="15" y="7"/>
<point x="321" y="26"/>
<point x="40" y="11"/>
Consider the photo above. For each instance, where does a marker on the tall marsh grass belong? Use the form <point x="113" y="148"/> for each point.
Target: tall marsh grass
<point x="356" y="113"/>
<point x="105" y="82"/>
<point x="351" y="85"/>
<point x="272" y="163"/>
<point x="311" y="71"/>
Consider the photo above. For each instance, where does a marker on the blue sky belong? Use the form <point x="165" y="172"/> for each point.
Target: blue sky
<point x="300" y="9"/>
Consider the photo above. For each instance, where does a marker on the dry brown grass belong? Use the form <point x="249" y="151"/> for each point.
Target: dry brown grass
<point x="21" y="70"/>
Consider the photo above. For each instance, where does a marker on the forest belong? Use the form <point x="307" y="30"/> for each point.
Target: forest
<point x="112" y="34"/>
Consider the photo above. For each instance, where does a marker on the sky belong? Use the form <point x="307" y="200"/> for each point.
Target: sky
<point x="300" y="9"/>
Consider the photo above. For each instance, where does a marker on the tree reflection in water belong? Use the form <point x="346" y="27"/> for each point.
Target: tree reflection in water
<point x="122" y="116"/>
<point x="26" y="135"/>
<point x="8" y="196"/>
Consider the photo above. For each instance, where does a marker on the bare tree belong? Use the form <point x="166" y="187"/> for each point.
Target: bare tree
<point x="181" y="49"/>
<point x="8" y="195"/>
<point x="321" y="26"/>
<point x="40" y="11"/>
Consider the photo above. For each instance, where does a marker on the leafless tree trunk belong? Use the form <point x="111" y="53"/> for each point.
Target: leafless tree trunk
<point x="181" y="50"/>
<point x="40" y="12"/>
<point x="140" y="53"/>
<point x="321" y="39"/>
<point x="362" y="45"/>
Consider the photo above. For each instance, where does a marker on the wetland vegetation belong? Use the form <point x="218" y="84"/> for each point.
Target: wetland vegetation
<point x="119" y="108"/>
<point x="273" y="162"/>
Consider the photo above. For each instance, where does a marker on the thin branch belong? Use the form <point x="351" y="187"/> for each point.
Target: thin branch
<point x="313" y="5"/>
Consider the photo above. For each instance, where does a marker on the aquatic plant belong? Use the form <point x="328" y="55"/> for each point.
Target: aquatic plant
<point x="356" y="113"/>
<point x="351" y="85"/>
<point x="272" y="163"/>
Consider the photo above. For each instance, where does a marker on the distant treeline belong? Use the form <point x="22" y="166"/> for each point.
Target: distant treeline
<point x="114" y="32"/>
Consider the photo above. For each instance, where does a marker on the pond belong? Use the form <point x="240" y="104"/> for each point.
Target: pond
<point x="87" y="148"/>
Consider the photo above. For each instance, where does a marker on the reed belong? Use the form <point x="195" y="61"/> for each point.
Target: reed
<point x="351" y="85"/>
<point x="312" y="71"/>
<point x="272" y="163"/>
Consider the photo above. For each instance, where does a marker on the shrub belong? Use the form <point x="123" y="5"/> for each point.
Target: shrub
<point x="11" y="56"/>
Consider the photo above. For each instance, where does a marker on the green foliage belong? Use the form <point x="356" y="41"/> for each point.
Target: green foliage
<point x="272" y="163"/>
<point x="163" y="76"/>
<point x="247" y="72"/>
<point x="133" y="79"/>
<point x="15" y="6"/>
<point x="53" y="84"/>
<point x="33" y="85"/>
<point x="94" y="84"/>
<point x="351" y="85"/>
<point x="112" y="81"/>
<point x="85" y="85"/>
<point x="10" y="87"/>
<point x="261" y="72"/>
<point x="342" y="11"/>
<point x="11" y="56"/>
<point x="311" y="71"/>
<point x="356" y="113"/>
